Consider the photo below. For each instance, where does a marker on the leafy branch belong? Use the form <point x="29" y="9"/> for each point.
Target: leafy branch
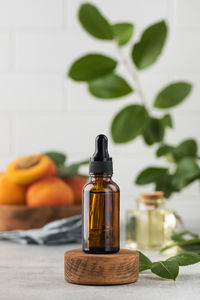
<point x="186" y="241"/>
<point x="63" y="168"/>
<point x="133" y="73"/>
<point x="99" y="72"/>
<point x="168" y="269"/>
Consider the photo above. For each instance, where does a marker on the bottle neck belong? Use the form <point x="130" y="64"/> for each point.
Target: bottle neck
<point x="147" y="204"/>
<point x="150" y="200"/>
<point x="100" y="177"/>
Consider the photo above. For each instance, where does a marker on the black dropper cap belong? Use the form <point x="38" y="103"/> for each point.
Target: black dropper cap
<point x="101" y="162"/>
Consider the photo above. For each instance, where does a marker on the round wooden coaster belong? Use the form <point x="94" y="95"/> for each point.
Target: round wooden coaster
<point x="101" y="269"/>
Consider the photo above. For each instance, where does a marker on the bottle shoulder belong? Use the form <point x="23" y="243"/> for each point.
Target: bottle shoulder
<point x="115" y="186"/>
<point x="104" y="186"/>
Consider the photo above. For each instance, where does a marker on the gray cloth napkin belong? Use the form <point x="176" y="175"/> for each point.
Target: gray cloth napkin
<point x="54" y="233"/>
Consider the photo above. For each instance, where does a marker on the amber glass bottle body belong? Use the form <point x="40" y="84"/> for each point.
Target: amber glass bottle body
<point x="101" y="201"/>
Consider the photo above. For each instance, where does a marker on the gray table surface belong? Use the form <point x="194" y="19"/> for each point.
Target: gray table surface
<point x="36" y="272"/>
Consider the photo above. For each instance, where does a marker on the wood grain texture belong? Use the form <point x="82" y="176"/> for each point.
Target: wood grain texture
<point x="101" y="269"/>
<point x="24" y="217"/>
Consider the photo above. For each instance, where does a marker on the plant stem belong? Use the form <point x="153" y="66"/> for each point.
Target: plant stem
<point x="134" y="74"/>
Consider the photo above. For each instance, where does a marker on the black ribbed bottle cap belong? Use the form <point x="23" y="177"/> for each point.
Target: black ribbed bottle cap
<point x="101" y="162"/>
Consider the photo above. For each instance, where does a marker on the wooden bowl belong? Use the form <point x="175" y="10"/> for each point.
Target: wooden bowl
<point x="23" y="217"/>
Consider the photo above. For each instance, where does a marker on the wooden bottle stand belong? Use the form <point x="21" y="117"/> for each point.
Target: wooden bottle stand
<point x="101" y="269"/>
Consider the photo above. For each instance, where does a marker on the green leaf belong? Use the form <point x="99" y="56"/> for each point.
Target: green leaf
<point x="109" y="87"/>
<point x="166" y="269"/>
<point x="150" y="46"/>
<point x="178" y="237"/>
<point x="166" y="185"/>
<point x="169" y="268"/>
<point x="123" y="32"/>
<point x="144" y="262"/>
<point x="151" y="174"/>
<point x="186" y="172"/>
<point x="185" y="259"/>
<point x="128" y="123"/>
<point x="180" y="183"/>
<point x="91" y="66"/>
<point x="186" y="148"/>
<point x="164" y="150"/>
<point x="187" y="168"/>
<point x="192" y="245"/>
<point x="71" y="170"/>
<point x="167" y="121"/>
<point x="154" y="131"/>
<point x="94" y="22"/>
<point x="64" y="171"/>
<point x="57" y="157"/>
<point x="172" y="95"/>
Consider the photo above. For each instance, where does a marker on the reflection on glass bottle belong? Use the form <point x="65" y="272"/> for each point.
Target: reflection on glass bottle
<point x="151" y="225"/>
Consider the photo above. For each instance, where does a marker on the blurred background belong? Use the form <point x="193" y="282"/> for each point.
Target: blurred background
<point x="41" y="109"/>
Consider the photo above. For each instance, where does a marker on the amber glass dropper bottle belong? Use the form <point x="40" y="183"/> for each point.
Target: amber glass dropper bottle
<point x="101" y="198"/>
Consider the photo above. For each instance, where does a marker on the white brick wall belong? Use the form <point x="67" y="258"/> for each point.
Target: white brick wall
<point x="31" y="14"/>
<point x="40" y="109"/>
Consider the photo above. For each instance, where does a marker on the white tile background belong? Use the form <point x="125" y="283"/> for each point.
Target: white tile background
<point x="41" y="110"/>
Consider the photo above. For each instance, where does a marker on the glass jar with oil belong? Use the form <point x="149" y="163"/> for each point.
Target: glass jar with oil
<point x="151" y="225"/>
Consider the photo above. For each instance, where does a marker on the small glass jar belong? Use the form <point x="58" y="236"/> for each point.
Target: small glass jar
<point x="151" y="225"/>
